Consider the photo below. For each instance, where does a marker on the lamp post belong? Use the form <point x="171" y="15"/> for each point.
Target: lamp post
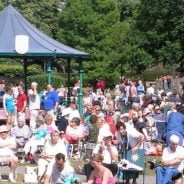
<point x="80" y="90"/>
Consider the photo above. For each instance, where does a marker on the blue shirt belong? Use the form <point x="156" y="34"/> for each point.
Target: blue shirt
<point x="175" y="121"/>
<point x="140" y="87"/>
<point x="50" y="99"/>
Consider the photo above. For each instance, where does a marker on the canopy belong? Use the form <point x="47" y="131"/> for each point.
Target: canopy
<point x="12" y="23"/>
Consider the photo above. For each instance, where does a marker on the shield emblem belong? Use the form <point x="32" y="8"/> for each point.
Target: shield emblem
<point x="21" y="44"/>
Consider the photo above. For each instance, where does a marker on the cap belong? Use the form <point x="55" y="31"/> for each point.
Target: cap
<point x="108" y="134"/>
<point x="4" y="128"/>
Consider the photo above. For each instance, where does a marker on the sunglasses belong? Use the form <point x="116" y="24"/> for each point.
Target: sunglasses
<point x="4" y="132"/>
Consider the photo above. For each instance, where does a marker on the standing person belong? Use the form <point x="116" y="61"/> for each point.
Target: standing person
<point x="34" y="105"/>
<point x="50" y="102"/>
<point x="175" y="125"/>
<point x="21" y="102"/>
<point x="59" y="171"/>
<point x="140" y="90"/>
<point x="9" y="106"/>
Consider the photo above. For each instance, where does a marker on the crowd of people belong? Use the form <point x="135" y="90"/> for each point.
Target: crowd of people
<point x="131" y="117"/>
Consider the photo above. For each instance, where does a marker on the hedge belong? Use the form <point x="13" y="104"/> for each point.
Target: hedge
<point x="56" y="80"/>
<point x="17" y="70"/>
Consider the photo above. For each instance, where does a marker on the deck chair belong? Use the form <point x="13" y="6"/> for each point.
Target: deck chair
<point x="131" y="163"/>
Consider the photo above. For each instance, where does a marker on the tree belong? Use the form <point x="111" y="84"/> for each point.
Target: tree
<point x="162" y="24"/>
<point x="87" y="25"/>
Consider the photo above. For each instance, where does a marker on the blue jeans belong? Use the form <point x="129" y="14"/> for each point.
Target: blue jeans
<point x="164" y="175"/>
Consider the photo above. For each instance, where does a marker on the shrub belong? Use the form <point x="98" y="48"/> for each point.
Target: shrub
<point x="18" y="70"/>
<point x="56" y="80"/>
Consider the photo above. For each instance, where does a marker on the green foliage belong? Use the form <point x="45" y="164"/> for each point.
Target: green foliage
<point x="160" y="22"/>
<point x="18" y="70"/>
<point x="123" y="36"/>
<point x="87" y="25"/>
<point x="42" y="81"/>
<point x="56" y="79"/>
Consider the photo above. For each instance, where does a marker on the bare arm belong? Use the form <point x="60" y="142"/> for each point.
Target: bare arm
<point x="171" y="162"/>
<point x="139" y="142"/>
<point x="47" y="179"/>
<point x="4" y="104"/>
<point x="24" y="106"/>
<point x="114" y="156"/>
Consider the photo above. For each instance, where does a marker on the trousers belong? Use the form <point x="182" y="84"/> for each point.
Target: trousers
<point x="165" y="175"/>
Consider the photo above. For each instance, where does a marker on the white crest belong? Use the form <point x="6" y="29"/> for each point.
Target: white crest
<point x="21" y="44"/>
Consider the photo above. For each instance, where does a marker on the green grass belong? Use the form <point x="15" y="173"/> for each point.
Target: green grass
<point x="78" y="166"/>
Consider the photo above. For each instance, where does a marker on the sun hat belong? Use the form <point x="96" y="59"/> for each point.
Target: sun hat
<point x="4" y="128"/>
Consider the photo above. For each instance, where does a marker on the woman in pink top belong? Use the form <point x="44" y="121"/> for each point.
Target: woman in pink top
<point x="100" y="174"/>
<point x="74" y="131"/>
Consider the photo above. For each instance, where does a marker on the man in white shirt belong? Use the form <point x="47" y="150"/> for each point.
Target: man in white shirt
<point x="34" y="105"/>
<point x="71" y="112"/>
<point x="150" y="90"/>
<point x="172" y="162"/>
<point x="59" y="171"/>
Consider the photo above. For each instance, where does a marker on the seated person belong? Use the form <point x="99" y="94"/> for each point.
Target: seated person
<point x="104" y="129"/>
<point x="110" y="154"/>
<point x="7" y="148"/>
<point x="93" y="130"/>
<point x="59" y="171"/>
<point x="74" y="131"/>
<point x="100" y="174"/>
<point x="21" y="132"/>
<point x="38" y="138"/>
<point x="49" y="123"/>
<point x="53" y="146"/>
<point x="172" y="162"/>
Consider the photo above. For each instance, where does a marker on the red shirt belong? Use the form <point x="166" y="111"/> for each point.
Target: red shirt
<point x="21" y="98"/>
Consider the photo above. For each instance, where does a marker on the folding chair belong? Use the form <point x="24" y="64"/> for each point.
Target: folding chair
<point x="131" y="163"/>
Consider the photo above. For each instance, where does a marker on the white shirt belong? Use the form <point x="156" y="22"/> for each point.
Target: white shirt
<point x="59" y="176"/>
<point x="106" y="154"/>
<point x="7" y="151"/>
<point x="103" y="131"/>
<point x="132" y="136"/>
<point x="34" y="100"/>
<point x="150" y="90"/>
<point x="169" y="155"/>
<point x="53" y="149"/>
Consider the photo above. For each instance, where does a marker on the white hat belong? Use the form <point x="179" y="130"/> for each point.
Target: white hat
<point x="174" y="139"/>
<point x="108" y="134"/>
<point x="4" y="128"/>
<point x="124" y="115"/>
<point x="146" y="111"/>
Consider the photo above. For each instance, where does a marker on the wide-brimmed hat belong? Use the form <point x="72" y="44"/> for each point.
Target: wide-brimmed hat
<point x="4" y="128"/>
